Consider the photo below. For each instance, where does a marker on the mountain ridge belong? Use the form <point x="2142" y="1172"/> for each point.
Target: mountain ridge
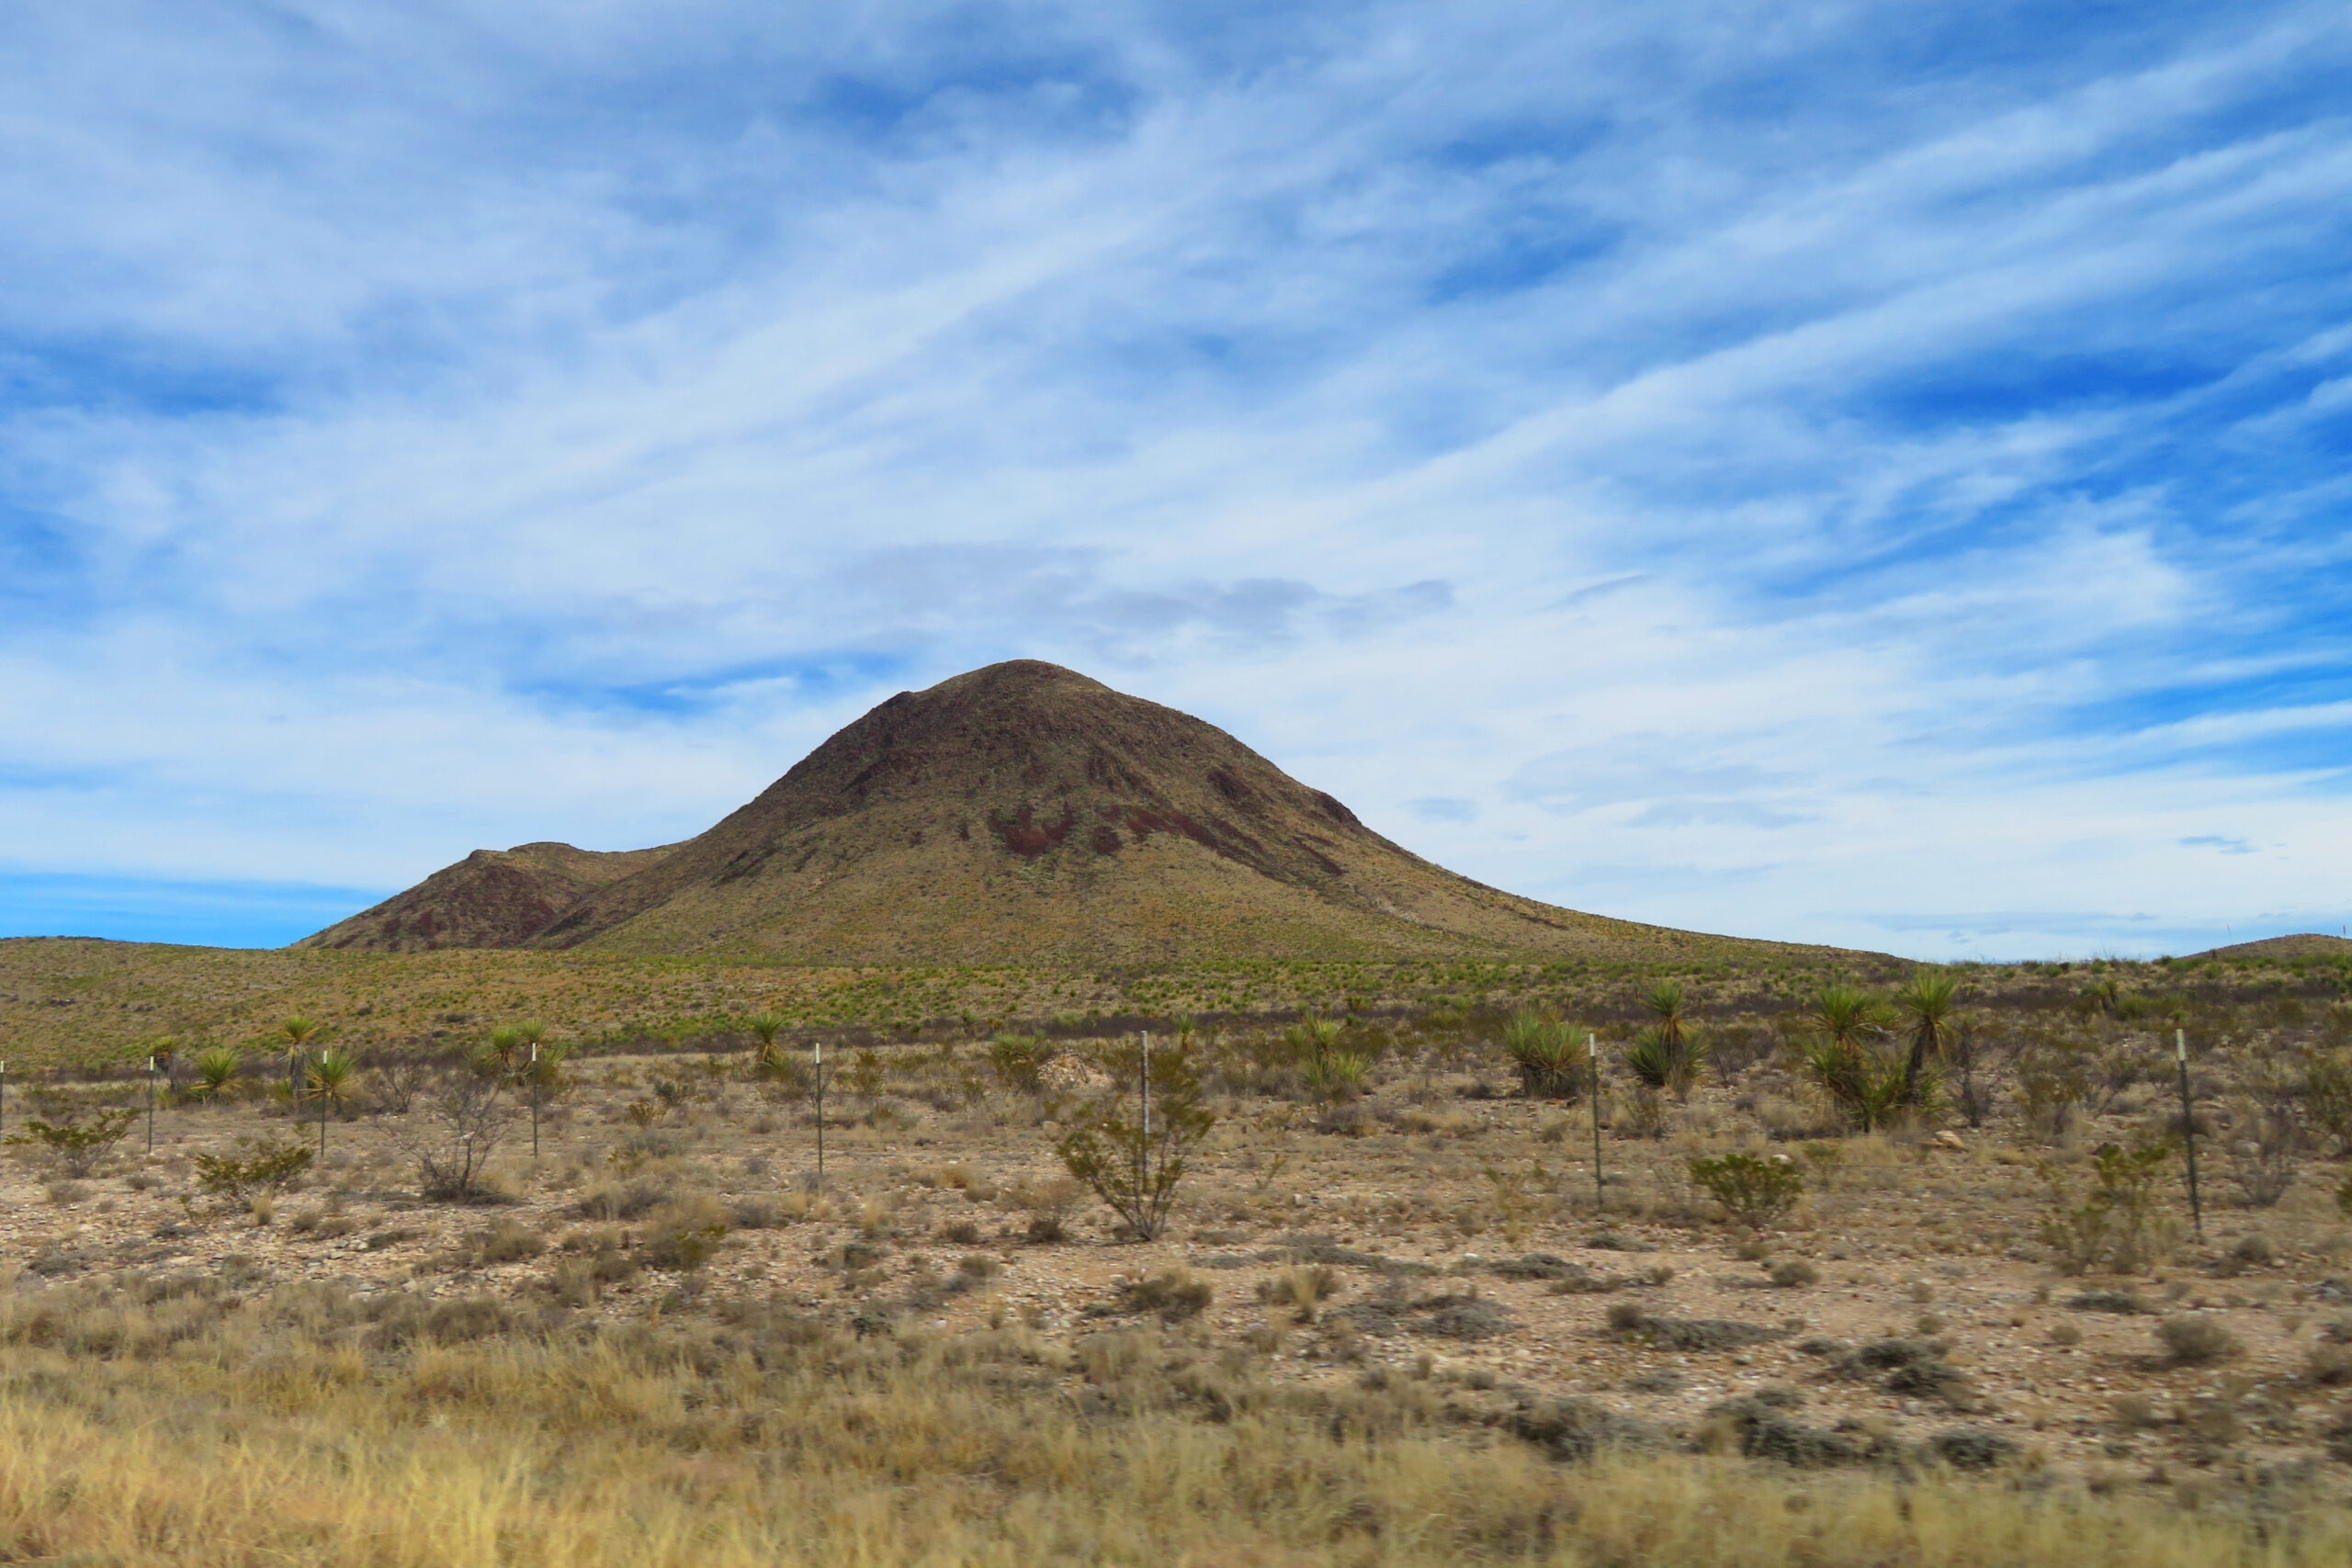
<point x="1020" y="812"/>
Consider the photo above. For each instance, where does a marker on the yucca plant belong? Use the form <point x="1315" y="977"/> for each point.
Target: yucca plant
<point x="1017" y="1059"/>
<point x="1338" y="1074"/>
<point x="766" y="1055"/>
<point x="1846" y="1016"/>
<point x="297" y="1031"/>
<point x="507" y="1047"/>
<point x="1660" y="1064"/>
<point x="1675" y="1058"/>
<point x="1312" y="1039"/>
<point x="217" y="1067"/>
<point x="1863" y="1082"/>
<point x="1843" y="1058"/>
<point x="1550" y="1061"/>
<point x="1926" y="1001"/>
<point x="332" y="1078"/>
<point x="546" y="1073"/>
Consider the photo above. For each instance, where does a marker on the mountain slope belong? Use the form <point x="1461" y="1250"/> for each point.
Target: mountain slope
<point x="1018" y="813"/>
<point x="491" y="898"/>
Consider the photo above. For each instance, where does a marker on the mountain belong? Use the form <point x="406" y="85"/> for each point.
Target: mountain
<point x="1021" y="812"/>
<point x="2308" y="944"/>
<point x="491" y="898"/>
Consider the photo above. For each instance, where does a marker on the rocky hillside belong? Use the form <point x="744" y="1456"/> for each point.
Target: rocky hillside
<point x="1020" y="813"/>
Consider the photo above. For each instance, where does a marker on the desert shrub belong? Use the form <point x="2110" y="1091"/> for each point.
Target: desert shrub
<point x="1017" y="1059"/>
<point x="1550" y="1061"/>
<point x="258" y="1170"/>
<point x="1466" y="1316"/>
<point x="1862" y="1081"/>
<point x="622" y="1199"/>
<point x="1133" y="1157"/>
<point x="2189" y="1341"/>
<point x="78" y="1142"/>
<point x="2126" y="1301"/>
<point x="1669" y="1054"/>
<point x="1754" y="1192"/>
<point x="1794" y="1273"/>
<point x="2051" y="1083"/>
<point x="455" y="1126"/>
<point x="1915" y="1368"/>
<point x="1972" y="1448"/>
<point x="505" y="1241"/>
<point x="2328" y="1365"/>
<point x="1174" y="1294"/>
<point x="1660" y="1064"/>
<point x="1759" y="1426"/>
<point x="684" y="1233"/>
<point x="757" y="1213"/>
<point x="2266" y="1158"/>
<point x="1301" y="1288"/>
<point x="763" y="1027"/>
<point x="1689" y="1335"/>
<point x="1840" y="1054"/>
<point x="2118" y="1221"/>
<point x="1576" y="1430"/>
<point x="1614" y="1241"/>
<point x="2327" y="1096"/>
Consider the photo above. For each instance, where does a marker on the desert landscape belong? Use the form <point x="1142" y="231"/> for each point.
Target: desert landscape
<point x="585" y="1283"/>
<point x="741" y="1200"/>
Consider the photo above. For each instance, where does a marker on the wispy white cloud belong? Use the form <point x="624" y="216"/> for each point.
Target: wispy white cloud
<point x="1697" y="462"/>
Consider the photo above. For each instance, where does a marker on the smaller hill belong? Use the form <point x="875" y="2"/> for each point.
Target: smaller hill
<point x="2309" y="944"/>
<point x="491" y="898"/>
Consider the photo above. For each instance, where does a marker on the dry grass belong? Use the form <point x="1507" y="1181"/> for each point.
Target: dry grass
<point x="273" y="1434"/>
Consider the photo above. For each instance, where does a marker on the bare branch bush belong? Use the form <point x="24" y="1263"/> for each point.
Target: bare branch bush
<point x="458" y="1120"/>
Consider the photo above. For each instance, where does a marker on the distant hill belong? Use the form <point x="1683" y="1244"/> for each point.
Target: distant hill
<point x="1021" y="812"/>
<point x="2310" y="945"/>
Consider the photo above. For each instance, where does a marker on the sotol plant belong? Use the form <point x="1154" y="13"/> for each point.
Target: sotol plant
<point x="216" y="1069"/>
<point x="332" y="1079"/>
<point x="1843" y="1059"/>
<point x="1926" y="1003"/>
<point x="1547" y="1055"/>
<point x="766" y="1055"/>
<point x="1670" y="1055"/>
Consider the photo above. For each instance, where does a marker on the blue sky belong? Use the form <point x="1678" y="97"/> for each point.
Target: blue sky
<point x="1861" y="473"/>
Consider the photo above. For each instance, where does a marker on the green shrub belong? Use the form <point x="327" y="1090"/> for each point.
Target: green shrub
<point x="1017" y="1059"/>
<point x="2118" y="1223"/>
<point x="1754" y="1192"/>
<point x="260" y="1170"/>
<point x="1131" y="1159"/>
<point x="78" y="1143"/>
